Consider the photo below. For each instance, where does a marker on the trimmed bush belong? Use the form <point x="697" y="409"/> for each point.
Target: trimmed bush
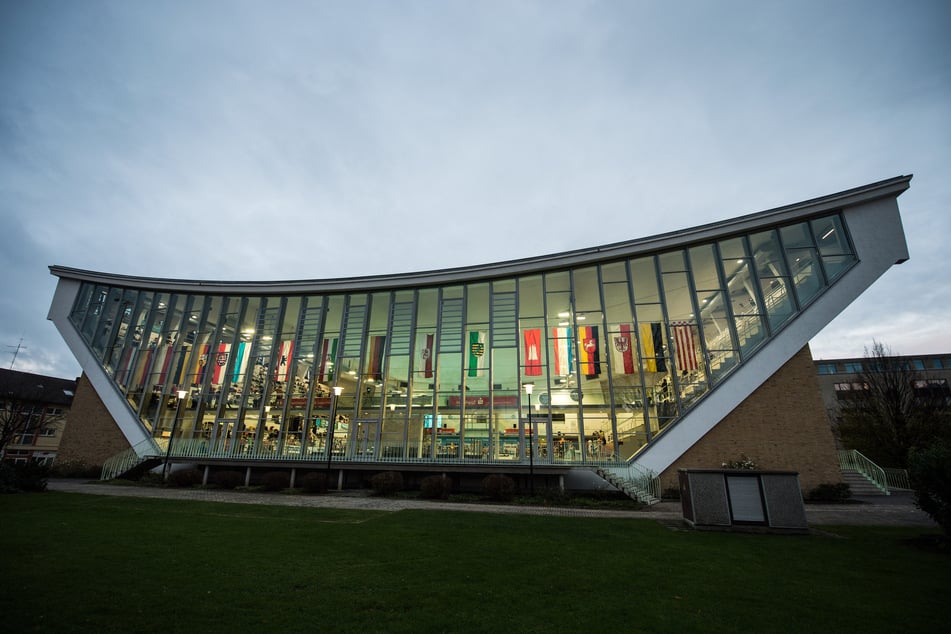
<point x="498" y="486"/>
<point x="227" y="479"/>
<point x="183" y="478"/>
<point x="929" y="471"/>
<point x="387" y="483"/>
<point x="27" y="477"/>
<point x="828" y="492"/>
<point x="75" y="469"/>
<point x="276" y="480"/>
<point x="435" y="487"/>
<point x="314" y="482"/>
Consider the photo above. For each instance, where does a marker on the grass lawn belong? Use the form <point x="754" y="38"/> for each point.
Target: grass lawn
<point x="87" y="563"/>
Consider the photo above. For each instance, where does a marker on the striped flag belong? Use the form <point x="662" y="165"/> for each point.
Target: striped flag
<point x="623" y="347"/>
<point x="426" y="356"/>
<point x="476" y="353"/>
<point x="201" y="363"/>
<point x="240" y="362"/>
<point x="282" y="369"/>
<point x="685" y="346"/>
<point x="561" y="343"/>
<point x="589" y="351"/>
<point x="375" y="357"/>
<point x="219" y="363"/>
<point x="652" y="347"/>
<point x="533" y="352"/>
<point x="328" y="360"/>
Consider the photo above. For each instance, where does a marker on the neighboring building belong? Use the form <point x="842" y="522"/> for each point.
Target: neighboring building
<point x="681" y="350"/>
<point x="37" y="406"/>
<point x="840" y="379"/>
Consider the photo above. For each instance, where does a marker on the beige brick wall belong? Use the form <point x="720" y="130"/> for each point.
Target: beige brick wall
<point x="91" y="435"/>
<point x="783" y="425"/>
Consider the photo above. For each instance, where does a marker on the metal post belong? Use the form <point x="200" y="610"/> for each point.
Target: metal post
<point x="531" y="442"/>
<point x="331" y="426"/>
<point x="171" y="437"/>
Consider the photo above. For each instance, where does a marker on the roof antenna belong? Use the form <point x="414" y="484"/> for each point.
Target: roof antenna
<point x="18" y="347"/>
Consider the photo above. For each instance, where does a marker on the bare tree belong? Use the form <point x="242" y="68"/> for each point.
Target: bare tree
<point x="19" y="418"/>
<point x="892" y="409"/>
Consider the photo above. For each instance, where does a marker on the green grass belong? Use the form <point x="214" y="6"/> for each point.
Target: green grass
<point x="76" y="563"/>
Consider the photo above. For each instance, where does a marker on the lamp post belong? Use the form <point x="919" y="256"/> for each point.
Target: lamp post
<point x="171" y="437"/>
<point x="531" y="441"/>
<point x="332" y="425"/>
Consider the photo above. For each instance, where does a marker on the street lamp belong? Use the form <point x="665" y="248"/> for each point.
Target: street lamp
<point x="332" y="425"/>
<point x="531" y="441"/>
<point x="168" y="449"/>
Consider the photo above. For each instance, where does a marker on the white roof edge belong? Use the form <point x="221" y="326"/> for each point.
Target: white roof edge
<point x="891" y="187"/>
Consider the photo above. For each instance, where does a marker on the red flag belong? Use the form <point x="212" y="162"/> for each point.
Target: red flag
<point x="533" y="352"/>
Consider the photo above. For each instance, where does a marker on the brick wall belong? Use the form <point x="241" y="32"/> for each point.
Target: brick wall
<point x="782" y="425"/>
<point x="90" y="435"/>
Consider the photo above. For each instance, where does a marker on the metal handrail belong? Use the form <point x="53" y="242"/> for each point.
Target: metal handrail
<point x="855" y="461"/>
<point x="897" y="478"/>
<point x="128" y="458"/>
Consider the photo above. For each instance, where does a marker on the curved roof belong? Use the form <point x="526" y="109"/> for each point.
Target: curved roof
<point x="848" y="198"/>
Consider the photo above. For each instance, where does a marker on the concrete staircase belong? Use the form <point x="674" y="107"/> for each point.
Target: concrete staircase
<point x="859" y="484"/>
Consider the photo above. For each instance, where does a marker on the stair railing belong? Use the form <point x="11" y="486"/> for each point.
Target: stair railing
<point x="853" y="460"/>
<point x="128" y="458"/>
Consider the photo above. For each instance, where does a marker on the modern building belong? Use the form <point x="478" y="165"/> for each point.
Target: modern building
<point x="685" y="349"/>
<point x="33" y="413"/>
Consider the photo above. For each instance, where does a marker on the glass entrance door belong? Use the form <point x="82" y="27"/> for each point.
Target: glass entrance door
<point x="365" y="439"/>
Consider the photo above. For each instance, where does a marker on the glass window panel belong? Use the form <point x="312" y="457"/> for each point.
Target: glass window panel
<point x="836" y="265"/>
<point x="677" y="295"/>
<point x="530" y="302"/>
<point x="614" y="272"/>
<point x="703" y="265"/>
<point x="779" y="303"/>
<point x="742" y="294"/>
<point x="672" y="261"/>
<point x="805" y="273"/>
<point x="733" y="249"/>
<point x="767" y="254"/>
<point x="797" y="235"/>
<point x="830" y="236"/>
<point x="644" y="277"/>
<point x="587" y="295"/>
<point x="477" y="303"/>
<point x="750" y="331"/>
<point x="617" y="303"/>
<point x="559" y="281"/>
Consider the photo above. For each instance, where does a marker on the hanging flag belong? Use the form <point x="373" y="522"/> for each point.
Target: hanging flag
<point x="533" y="351"/>
<point x="163" y="361"/>
<point x="652" y="346"/>
<point x="240" y="362"/>
<point x="426" y="354"/>
<point x="328" y="359"/>
<point x="589" y="352"/>
<point x="219" y="363"/>
<point x="375" y="357"/>
<point x="561" y="342"/>
<point x="623" y="350"/>
<point x="180" y="370"/>
<point x="144" y="361"/>
<point x="282" y="369"/>
<point x="201" y="363"/>
<point x="476" y="353"/>
<point x="685" y="346"/>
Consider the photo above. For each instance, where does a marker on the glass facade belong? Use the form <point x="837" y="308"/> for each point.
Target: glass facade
<point x="615" y="353"/>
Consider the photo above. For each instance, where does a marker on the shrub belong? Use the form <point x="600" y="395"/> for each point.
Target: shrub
<point x="670" y="493"/>
<point x="314" y="482"/>
<point x="498" y="486"/>
<point x="387" y="483"/>
<point x="828" y="492"/>
<point x="276" y="480"/>
<point x="185" y="478"/>
<point x="26" y="477"/>
<point x="435" y="487"/>
<point x="744" y="463"/>
<point x="75" y="469"/>
<point x="929" y="471"/>
<point x="227" y="479"/>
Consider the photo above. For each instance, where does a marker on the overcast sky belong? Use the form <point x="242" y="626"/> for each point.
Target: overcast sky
<point x="300" y="140"/>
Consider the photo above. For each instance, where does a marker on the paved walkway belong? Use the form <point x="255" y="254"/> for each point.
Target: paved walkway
<point x="895" y="510"/>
